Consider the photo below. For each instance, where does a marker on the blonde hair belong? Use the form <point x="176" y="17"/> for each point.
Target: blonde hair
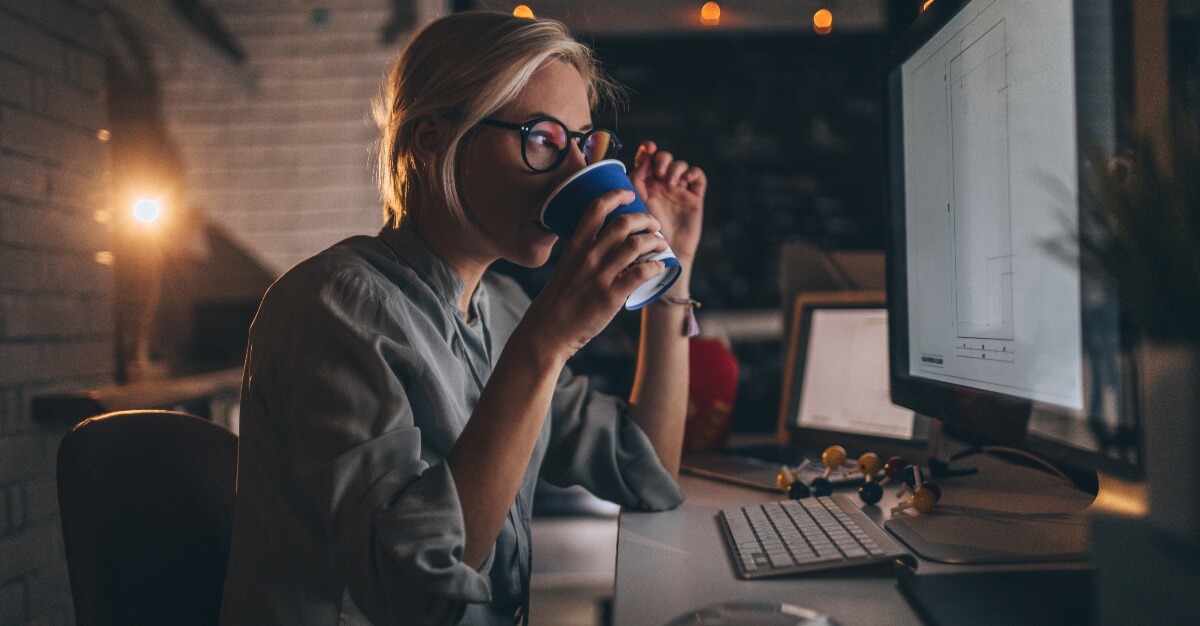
<point x="462" y="68"/>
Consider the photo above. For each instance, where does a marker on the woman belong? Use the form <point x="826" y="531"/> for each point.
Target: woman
<point x="400" y="402"/>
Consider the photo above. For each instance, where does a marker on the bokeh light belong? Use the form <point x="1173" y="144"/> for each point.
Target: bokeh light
<point x="710" y="14"/>
<point x="523" y="11"/>
<point x="147" y="209"/>
<point x="823" y="21"/>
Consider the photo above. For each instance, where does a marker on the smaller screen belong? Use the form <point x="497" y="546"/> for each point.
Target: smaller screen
<point x="845" y="386"/>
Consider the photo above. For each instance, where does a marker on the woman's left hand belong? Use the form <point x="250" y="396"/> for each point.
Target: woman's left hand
<point x="674" y="193"/>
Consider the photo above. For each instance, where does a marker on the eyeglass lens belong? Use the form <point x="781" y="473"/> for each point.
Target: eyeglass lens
<point x="547" y="141"/>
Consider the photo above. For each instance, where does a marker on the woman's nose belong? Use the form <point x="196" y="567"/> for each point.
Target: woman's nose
<point x="573" y="162"/>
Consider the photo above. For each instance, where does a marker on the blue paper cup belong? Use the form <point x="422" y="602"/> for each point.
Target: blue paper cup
<point x="570" y="200"/>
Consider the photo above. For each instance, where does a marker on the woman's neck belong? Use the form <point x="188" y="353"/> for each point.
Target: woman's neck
<point x="454" y="246"/>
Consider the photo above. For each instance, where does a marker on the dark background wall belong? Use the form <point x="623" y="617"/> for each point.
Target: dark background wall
<point x="789" y="130"/>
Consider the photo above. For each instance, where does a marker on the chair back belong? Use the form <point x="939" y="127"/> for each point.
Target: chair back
<point x="146" y="501"/>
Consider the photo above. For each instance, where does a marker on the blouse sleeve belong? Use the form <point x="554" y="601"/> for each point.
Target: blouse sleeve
<point x="595" y="443"/>
<point x="330" y="374"/>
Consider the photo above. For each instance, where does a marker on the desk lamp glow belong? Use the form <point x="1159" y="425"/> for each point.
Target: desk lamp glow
<point x="148" y="211"/>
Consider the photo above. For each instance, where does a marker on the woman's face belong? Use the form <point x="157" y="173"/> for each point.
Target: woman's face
<point x="501" y="195"/>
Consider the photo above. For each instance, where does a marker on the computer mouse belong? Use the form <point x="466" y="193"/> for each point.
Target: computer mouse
<point x="757" y="613"/>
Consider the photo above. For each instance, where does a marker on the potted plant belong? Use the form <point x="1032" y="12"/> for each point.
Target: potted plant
<point x="1141" y="233"/>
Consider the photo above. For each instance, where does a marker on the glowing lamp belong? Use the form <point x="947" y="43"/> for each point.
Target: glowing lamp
<point x="147" y="209"/>
<point x="823" y="22"/>
<point x="710" y="14"/>
<point x="523" y="11"/>
<point x="926" y="5"/>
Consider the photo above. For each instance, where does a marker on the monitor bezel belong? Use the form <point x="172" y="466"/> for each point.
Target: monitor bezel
<point x="977" y="415"/>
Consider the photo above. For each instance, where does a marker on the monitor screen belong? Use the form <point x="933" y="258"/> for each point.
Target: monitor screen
<point x="845" y="386"/>
<point x="995" y="327"/>
<point x="989" y="131"/>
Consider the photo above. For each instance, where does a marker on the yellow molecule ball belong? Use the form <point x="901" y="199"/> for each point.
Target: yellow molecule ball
<point x="783" y="481"/>
<point x="922" y="500"/>
<point x="869" y="464"/>
<point x="833" y="457"/>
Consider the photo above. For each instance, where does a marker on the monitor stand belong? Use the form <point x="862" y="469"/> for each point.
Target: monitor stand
<point x="1004" y="514"/>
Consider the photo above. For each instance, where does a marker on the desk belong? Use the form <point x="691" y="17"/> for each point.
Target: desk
<point x="674" y="561"/>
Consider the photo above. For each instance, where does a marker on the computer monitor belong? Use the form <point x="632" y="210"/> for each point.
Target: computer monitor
<point x="994" y="108"/>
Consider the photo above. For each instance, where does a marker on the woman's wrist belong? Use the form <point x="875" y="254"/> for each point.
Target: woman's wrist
<point x="538" y="347"/>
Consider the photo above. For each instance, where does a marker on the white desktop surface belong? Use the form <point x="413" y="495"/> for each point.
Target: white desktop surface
<point x="675" y="561"/>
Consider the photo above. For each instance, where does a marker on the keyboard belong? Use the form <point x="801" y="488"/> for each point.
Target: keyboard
<point x="795" y="536"/>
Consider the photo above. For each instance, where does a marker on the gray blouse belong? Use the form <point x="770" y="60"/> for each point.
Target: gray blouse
<point x="360" y="374"/>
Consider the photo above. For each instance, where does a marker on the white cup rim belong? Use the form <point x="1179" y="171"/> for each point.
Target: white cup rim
<point x="554" y="194"/>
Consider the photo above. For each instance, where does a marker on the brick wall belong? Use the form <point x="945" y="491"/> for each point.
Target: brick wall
<point x="286" y="165"/>
<point x="55" y="312"/>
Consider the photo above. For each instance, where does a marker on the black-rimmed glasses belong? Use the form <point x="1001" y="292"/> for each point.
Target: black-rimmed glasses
<point x="544" y="142"/>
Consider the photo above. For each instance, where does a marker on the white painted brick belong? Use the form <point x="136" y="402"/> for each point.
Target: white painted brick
<point x="314" y="154"/>
<point x="79" y="275"/>
<point x="20" y="458"/>
<point x="24" y="270"/>
<point x="84" y="68"/>
<point x="12" y="417"/>
<point x="55" y="316"/>
<point x="23" y="177"/>
<point x="277" y="177"/>
<point x="41" y="500"/>
<point x="27" y="551"/>
<point x="334" y="107"/>
<point x="16" y="506"/>
<point x="294" y="209"/>
<point x="365" y="22"/>
<point x="41" y="138"/>
<point x="68" y="103"/>
<point x="50" y="589"/>
<point x="35" y="271"/>
<point x="32" y="226"/>
<point x="31" y="10"/>
<point x="13" y="601"/>
<point x="32" y="47"/>
<point x="45" y="362"/>
<point x="78" y="189"/>
<point x="276" y="133"/>
<point x="16" y="84"/>
<point x="77" y="25"/>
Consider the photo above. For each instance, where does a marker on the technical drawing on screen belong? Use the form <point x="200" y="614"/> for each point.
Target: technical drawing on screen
<point x="990" y="169"/>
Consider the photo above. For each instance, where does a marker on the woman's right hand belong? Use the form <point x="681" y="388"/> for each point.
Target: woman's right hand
<point x="594" y="276"/>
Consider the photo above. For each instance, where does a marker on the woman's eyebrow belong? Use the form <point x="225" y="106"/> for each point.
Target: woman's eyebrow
<point x="536" y="114"/>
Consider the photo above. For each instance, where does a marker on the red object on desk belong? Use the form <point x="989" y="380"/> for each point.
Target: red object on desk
<point x="712" y="389"/>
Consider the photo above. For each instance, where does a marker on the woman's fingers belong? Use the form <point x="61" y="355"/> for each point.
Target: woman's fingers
<point x="662" y="161"/>
<point x="676" y="172"/>
<point x="631" y="249"/>
<point x="593" y="218"/>
<point x="633" y="276"/>
<point x="695" y="180"/>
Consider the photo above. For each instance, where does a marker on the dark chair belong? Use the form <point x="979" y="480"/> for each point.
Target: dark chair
<point x="146" y="499"/>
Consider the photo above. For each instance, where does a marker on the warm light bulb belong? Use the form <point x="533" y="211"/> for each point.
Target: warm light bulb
<point x="926" y="5"/>
<point x="823" y="21"/>
<point x="523" y="11"/>
<point x="147" y="209"/>
<point x="710" y="14"/>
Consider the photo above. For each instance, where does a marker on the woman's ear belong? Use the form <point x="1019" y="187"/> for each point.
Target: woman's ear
<point x="429" y="137"/>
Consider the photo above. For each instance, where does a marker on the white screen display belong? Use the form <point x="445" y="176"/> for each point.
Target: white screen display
<point x="846" y="385"/>
<point x="990" y="180"/>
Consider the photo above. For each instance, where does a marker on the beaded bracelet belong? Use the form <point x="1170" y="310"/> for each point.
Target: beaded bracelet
<point x="690" y="327"/>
